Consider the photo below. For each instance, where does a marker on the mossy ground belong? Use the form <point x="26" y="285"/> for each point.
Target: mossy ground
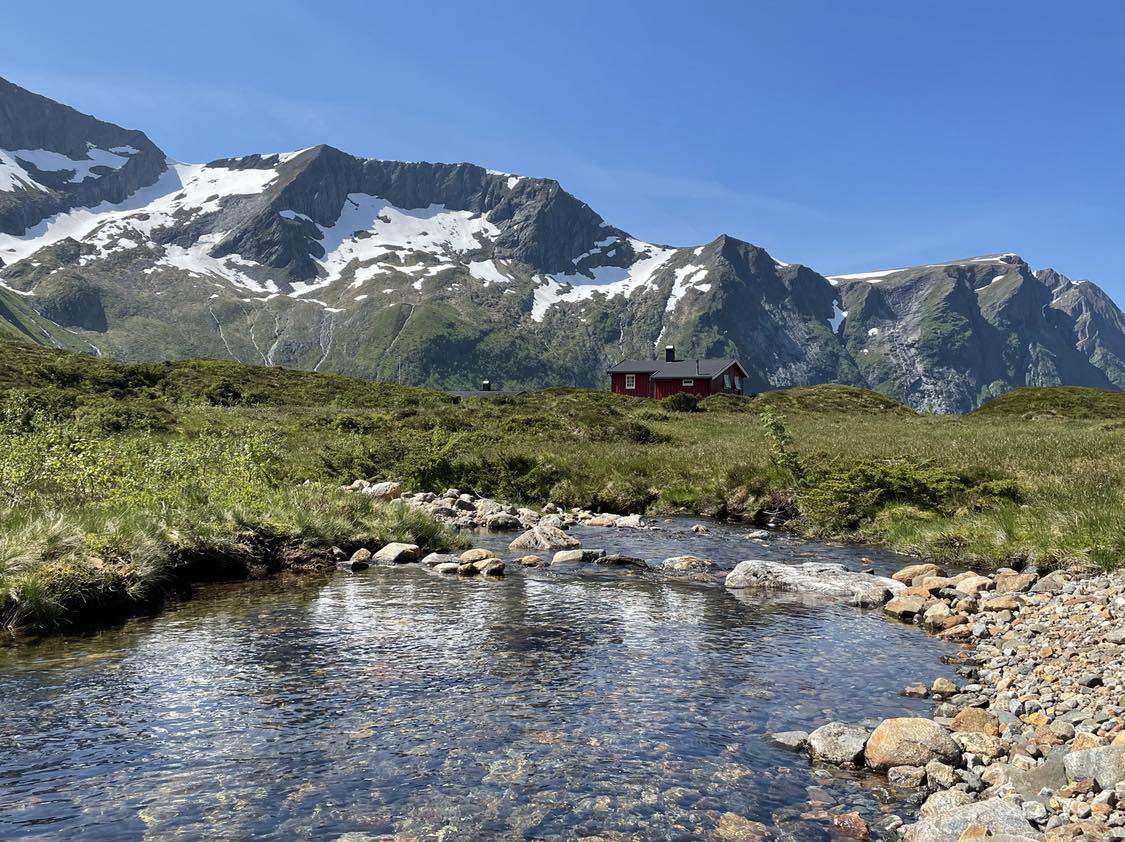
<point x="116" y="478"/>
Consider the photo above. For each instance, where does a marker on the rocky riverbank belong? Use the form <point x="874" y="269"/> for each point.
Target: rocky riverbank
<point x="468" y="510"/>
<point x="1031" y="744"/>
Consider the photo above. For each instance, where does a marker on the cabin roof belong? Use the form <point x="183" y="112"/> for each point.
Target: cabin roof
<point x="662" y="370"/>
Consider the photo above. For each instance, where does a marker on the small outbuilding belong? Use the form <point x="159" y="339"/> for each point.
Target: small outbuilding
<point x="660" y="378"/>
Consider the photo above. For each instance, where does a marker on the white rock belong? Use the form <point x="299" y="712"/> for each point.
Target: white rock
<point x="832" y="580"/>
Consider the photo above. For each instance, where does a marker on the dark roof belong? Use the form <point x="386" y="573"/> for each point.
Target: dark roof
<point x="661" y="370"/>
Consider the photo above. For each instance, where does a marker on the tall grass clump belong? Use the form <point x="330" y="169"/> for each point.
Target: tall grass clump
<point x="100" y="525"/>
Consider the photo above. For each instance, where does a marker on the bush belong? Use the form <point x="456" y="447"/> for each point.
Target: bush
<point x="681" y="402"/>
<point x="840" y="501"/>
<point x="727" y="403"/>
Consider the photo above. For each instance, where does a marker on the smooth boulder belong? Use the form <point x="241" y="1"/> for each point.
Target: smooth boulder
<point x="908" y="574"/>
<point x="545" y="539"/>
<point x="383" y="490"/>
<point x="832" y="580"/>
<point x="838" y="742"/>
<point x="905" y="607"/>
<point x="434" y="559"/>
<point x="577" y="556"/>
<point x="909" y="741"/>
<point x="397" y="553"/>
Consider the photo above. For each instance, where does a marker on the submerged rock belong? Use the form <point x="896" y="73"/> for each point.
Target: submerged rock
<point x="620" y="560"/>
<point x="832" y="580"/>
<point x="687" y="564"/>
<point x="735" y="828"/>
<point x="793" y="740"/>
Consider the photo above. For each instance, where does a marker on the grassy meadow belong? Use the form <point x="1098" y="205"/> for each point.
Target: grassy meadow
<point x="121" y="484"/>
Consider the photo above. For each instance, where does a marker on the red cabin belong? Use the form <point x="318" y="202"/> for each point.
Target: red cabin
<point x="661" y="378"/>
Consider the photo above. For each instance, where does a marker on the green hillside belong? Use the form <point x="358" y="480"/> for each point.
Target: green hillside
<point x="1075" y="402"/>
<point x="120" y="481"/>
<point x="18" y="320"/>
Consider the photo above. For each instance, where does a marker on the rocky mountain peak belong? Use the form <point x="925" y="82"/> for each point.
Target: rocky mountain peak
<point x="54" y="158"/>
<point x="445" y="274"/>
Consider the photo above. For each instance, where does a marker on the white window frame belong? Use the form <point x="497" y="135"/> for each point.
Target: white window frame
<point x="687" y="382"/>
<point x="726" y="381"/>
<point x="737" y="383"/>
<point x="630" y="381"/>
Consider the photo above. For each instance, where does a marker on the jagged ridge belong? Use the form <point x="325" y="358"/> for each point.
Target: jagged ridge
<point x="441" y="274"/>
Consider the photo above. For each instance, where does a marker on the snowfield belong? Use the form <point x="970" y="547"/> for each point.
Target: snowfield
<point x="14" y="175"/>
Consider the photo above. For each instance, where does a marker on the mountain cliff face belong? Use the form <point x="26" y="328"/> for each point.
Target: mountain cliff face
<point x="445" y="274"/>
<point x="948" y="336"/>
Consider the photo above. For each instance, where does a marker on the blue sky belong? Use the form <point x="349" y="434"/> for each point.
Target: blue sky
<point x="844" y="135"/>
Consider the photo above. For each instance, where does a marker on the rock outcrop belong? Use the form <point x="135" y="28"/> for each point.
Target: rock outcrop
<point x="829" y="580"/>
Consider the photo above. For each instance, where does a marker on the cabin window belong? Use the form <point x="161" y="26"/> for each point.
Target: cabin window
<point x="630" y="381"/>
<point x="737" y="383"/>
<point x="687" y="382"/>
<point x="726" y="381"/>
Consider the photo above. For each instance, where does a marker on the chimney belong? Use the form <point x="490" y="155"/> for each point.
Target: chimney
<point x="669" y="353"/>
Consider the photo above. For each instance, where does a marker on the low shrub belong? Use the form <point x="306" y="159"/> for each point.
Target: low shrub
<point x="681" y="402"/>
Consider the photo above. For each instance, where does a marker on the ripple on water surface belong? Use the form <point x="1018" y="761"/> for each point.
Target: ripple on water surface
<point x="538" y="706"/>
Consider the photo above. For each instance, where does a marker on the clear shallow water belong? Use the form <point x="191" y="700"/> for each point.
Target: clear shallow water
<point x="543" y="705"/>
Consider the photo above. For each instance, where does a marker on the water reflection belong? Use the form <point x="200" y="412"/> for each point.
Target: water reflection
<point x="400" y="702"/>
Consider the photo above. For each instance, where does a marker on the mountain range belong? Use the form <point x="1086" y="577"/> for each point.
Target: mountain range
<point x="446" y="274"/>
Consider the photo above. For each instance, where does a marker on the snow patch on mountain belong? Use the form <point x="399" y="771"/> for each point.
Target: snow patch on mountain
<point x="870" y="277"/>
<point x="488" y="271"/>
<point x="45" y="160"/>
<point x="14" y="177"/>
<point x="512" y="180"/>
<point x="196" y="260"/>
<point x="609" y="281"/>
<point x="183" y="192"/>
<point x="15" y="173"/>
<point x="369" y="228"/>
<point x="838" y="317"/>
<point x="685" y="278"/>
<point x="598" y="247"/>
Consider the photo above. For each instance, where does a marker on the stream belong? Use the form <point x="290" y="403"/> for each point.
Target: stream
<point x="399" y="703"/>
